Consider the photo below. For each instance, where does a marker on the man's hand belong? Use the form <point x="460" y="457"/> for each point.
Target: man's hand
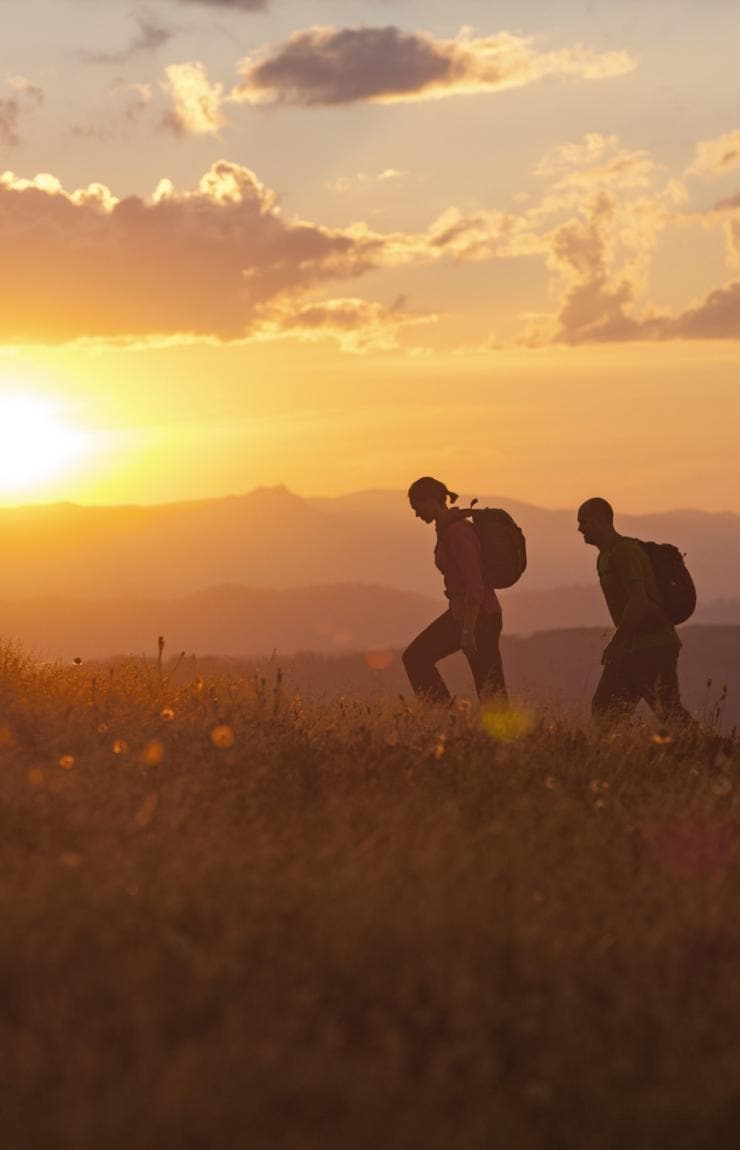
<point x="468" y="643"/>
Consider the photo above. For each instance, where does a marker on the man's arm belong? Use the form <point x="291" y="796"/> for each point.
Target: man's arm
<point x="635" y="613"/>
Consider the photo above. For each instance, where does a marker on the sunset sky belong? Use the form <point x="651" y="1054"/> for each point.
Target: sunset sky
<point x="337" y="245"/>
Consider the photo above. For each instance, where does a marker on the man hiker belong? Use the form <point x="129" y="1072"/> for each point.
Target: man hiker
<point x="641" y="659"/>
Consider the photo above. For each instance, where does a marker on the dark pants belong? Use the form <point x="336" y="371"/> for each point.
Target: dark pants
<point x="648" y="675"/>
<point x="442" y="638"/>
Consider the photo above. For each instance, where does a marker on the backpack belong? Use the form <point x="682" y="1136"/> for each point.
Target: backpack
<point x="502" y="542"/>
<point x="675" y="584"/>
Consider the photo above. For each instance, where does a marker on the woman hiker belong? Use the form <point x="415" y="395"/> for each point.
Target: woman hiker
<point x="472" y="622"/>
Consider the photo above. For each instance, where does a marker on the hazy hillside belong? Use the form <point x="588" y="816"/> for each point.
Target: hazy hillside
<point x="555" y="667"/>
<point x="221" y="621"/>
<point x="239" y="621"/>
<point x="272" y="538"/>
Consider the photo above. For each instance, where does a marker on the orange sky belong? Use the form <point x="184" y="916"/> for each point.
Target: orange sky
<point x="268" y="249"/>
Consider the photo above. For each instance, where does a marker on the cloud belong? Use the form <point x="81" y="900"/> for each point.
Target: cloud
<point x="9" y="118"/>
<point x="195" y="104"/>
<point x="729" y="204"/>
<point x="28" y="96"/>
<point x="715" y="157"/>
<point x="716" y="317"/>
<point x="26" y="88"/>
<point x="357" y="325"/>
<point x="325" y="66"/>
<point x="343" y="184"/>
<point x="599" y="304"/>
<point x="597" y="227"/>
<point x="201" y="263"/>
<point x="152" y="35"/>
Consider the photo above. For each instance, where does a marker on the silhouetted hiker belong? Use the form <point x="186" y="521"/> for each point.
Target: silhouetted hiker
<point x="472" y="622"/>
<point x="641" y="659"/>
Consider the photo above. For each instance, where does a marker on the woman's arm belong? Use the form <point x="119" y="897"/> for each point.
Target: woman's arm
<point x="465" y="550"/>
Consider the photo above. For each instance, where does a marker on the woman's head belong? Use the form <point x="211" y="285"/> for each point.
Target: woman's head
<point x="428" y="497"/>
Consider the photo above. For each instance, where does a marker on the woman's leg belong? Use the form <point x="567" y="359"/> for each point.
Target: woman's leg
<point x="486" y="664"/>
<point x="439" y="639"/>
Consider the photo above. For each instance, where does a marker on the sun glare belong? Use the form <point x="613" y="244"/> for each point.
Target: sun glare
<point x="37" y="445"/>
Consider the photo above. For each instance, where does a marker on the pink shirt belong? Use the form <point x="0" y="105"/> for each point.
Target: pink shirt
<point x="458" y="557"/>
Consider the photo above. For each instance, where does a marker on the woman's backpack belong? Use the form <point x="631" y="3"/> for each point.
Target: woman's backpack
<point x="502" y="543"/>
<point x="675" y="584"/>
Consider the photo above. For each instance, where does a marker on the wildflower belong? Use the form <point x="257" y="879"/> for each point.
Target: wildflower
<point x="598" y="785"/>
<point x="147" y="810"/>
<point x="439" y="748"/>
<point x="661" y="739"/>
<point x="120" y="746"/>
<point x="722" y="786"/>
<point x="77" y="661"/>
<point x="103" y="728"/>
<point x="35" y="777"/>
<point x="222" y="736"/>
<point x="66" y="762"/>
<point x="551" y="782"/>
<point x="167" y="713"/>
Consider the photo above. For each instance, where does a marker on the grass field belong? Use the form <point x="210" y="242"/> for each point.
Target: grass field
<point x="234" y="919"/>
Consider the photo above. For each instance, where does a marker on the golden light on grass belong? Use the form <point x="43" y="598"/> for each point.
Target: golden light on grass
<point x="152" y="754"/>
<point x="37" y="443"/>
<point x="379" y="660"/>
<point x="222" y="736"/>
<point x="506" y="724"/>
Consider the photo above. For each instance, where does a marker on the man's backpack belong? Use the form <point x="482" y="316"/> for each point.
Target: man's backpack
<point x="675" y="584"/>
<point x="502" y="543"/>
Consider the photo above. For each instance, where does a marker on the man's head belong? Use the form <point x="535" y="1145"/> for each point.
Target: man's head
<point x="596" y="521"/>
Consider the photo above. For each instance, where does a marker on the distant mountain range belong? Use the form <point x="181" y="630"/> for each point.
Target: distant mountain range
<point x="272" y="538"/>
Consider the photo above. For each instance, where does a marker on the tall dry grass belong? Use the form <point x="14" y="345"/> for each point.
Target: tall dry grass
<point x="232" y="918"/>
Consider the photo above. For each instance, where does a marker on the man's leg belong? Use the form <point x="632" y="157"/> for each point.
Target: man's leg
<point x="486" y="664"/>
<point x="662" y="693"/>
<point x="439" y="639"/>
<point x="617" y="693"/>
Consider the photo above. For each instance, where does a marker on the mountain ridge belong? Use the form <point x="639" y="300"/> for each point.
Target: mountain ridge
<point x="272" y="537"/>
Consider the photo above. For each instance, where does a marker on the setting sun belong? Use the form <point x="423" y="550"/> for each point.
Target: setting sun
<point x="37" y="444"/>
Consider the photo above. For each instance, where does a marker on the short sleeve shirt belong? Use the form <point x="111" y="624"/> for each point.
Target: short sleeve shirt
<point x="627" y="563"/>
